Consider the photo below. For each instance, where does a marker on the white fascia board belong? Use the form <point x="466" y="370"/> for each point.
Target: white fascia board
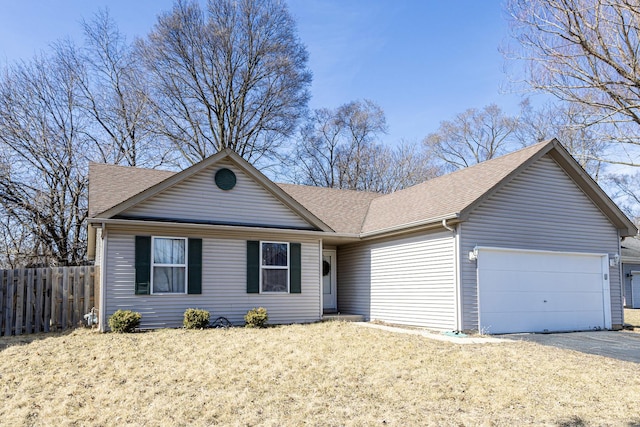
<point x="132" y="223"/>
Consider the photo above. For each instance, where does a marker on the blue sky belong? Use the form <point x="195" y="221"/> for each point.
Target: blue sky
<point x="421" y="61"/>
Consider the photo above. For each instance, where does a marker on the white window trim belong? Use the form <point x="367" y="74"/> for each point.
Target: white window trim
<point x="276" y="267"/>
<point x="185" y="265"/>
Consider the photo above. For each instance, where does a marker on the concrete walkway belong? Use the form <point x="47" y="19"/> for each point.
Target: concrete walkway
<point x="448" y="337"/>
<point x="621" y="345"/>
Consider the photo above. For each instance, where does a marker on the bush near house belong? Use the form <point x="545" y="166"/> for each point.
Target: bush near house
<point x="256" y="318"/>
<point x="124" y="321"/>
<point x="196" y="318"/>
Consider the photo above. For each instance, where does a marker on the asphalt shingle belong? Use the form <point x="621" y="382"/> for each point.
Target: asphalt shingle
<point x="345" y="211"/>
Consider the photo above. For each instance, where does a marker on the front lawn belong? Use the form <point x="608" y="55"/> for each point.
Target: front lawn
<point x="321" y="374"/>
<point x="632" y="317"/>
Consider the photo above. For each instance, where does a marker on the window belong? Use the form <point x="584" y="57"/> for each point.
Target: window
<point x="168" y="265"/>
<point x="274" y="266"/>
<point x="169" y="268"/>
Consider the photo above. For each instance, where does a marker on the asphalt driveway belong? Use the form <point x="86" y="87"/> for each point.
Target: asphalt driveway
<point x="615" y="344"/>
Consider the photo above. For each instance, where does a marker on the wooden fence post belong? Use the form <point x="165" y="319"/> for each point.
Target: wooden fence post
<point x="48" y="298"/>
<point x="39" y="300"/>
<point x="87" y="290"/>
<point x="28" y="324"/>
<point x="3" y="291"/>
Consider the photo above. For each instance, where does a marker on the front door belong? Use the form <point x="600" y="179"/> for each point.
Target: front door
<point x="329" y="297"/>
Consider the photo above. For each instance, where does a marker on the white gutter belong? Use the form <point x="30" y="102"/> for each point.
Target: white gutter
<point x="218" y="227"/>
<point x="410" y="226"/>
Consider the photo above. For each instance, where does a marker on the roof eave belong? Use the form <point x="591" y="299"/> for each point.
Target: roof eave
<point x="411" y="226"/>
<point x="133" y="223"/>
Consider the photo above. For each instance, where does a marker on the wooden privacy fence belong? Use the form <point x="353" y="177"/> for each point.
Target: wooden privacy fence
<point x="46" y="299"/>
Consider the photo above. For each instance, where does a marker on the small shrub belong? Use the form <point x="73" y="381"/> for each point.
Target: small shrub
<point x="196" y="318"/>
<point x="124" y="321"/>
<point x="256" y="318"/>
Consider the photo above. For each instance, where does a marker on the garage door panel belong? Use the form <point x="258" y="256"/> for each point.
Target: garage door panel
<point x="511" y="302"/>
<point x="541" y="281"/>
<point x="503" y="323"/>
<point x="536" y="291"/>
<point x="513" y="261"/>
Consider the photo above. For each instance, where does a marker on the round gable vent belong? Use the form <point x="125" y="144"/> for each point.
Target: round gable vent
<point x="225" y="179"/>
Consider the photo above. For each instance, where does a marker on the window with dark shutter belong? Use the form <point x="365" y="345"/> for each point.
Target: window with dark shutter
<point x="253" y="267"/>
<point x="295" y="270"/>
<point x="194" y="275"/>
<point x="143" y="265"/>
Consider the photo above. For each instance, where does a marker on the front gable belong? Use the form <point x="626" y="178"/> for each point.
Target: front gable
<point x="222" y="190"/>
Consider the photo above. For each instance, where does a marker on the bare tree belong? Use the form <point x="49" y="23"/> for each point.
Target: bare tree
<point x="585" y="52"/>
<point x="231" y="76"/>
<point x="473" y="136"/>
<point x="624" y="189"/>
<point x="339" y="149"/>
<point x="569" y="124"/>
<point x="115" y="94"/>
<point x="42" y="138"/>
<point x="361" y="123"/>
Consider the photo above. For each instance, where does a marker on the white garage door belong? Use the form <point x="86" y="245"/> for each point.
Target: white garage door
<point x="540" y="291"/>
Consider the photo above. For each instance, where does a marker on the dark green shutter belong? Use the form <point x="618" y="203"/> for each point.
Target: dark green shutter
<point x="295" y="269"/>
<point x="143" y="265"/>
<point x="253" y="267"/>
<point x="195" y="266"/>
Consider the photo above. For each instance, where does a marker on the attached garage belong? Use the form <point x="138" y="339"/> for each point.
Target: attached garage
<point x="542" y="291"/>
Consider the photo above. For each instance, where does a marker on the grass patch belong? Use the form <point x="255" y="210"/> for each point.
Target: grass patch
<point x="632" y="317"/>
<point x="330" y="373"/>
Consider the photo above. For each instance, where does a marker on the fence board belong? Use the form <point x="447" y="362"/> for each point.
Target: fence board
<point x="8" y="319"/>
<point x="45" y="299"/>
<point x="86" y="284"/>
<point x="48" y="292"/>
<point x="29" y="296"/>
<point x="19" y="303"/>
<point x="38" y="302"/>
<point x="77" y="298"/>
<point x="3" y="291"/>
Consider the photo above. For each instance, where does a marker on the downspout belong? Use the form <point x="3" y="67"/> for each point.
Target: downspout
<point x="456" y="267"/>
<point x="451" y="229"/>
<point x="103" y="289"/>
<point x="320" y="289"/>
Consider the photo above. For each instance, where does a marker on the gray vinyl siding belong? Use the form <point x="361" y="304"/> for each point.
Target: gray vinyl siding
<point x="627" y="268"/>
<point x="542" y="208"/>
<point x="199" y="199"/>
<point x="223" y="283"/>
<point x="408" y="280"/>
<point x="354" y="280"/>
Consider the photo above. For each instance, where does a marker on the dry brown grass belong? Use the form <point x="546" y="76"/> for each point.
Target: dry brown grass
<point x="632" y="317"/>
<point x="322" y="374"/>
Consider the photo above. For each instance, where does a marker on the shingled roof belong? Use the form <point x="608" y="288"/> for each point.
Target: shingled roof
<point x="450" y="196"/>
<point x="447" y="196"/>
<point x="110" y="185"/>
<point x="342" y="210"/>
